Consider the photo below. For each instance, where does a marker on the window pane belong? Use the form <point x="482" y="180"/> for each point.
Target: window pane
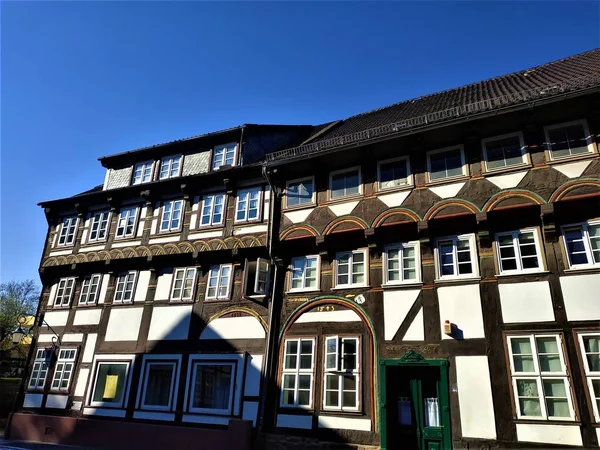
<point x="393" y="174"/>
<point x="288" y="397"/>
<point x="289" y="381"/>
<point x="212" y="386"/>
<point x="550" y="363"/>
<point x="349" y="400"/>
<point x="303" y="398"/>
<point x="158" y="388"/>
<point x="304" y="382"/>
<point x="305" y="361"/>
<point x="591" y="344"/>
<point x="110" y="383"/>
<point x="547" y="345"/>
<point x="527" y="388"/>
<point x="530" y="407"/>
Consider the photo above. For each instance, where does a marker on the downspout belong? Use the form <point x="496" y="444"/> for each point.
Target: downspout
<point x="271" y="333"/>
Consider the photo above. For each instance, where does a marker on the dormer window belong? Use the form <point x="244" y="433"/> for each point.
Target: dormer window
<point x="143" y="172"/>
<point x="170" y="167"/>
<point x="224" y="155"/>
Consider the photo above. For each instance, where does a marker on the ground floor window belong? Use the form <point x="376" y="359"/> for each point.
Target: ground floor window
<point x="110" y="380"/>
<point x="159" y="381"/>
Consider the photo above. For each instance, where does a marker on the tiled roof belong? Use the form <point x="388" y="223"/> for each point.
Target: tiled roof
<point x="566" y="75"/>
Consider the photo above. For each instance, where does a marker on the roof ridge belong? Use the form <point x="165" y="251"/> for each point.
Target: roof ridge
<point x="464" y="86"/>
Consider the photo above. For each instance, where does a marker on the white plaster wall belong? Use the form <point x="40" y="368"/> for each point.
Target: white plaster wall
<point x="142" y="286"/>
<point x="507" y="181"/>
<point x="461" y="305"/>
<point x="82" y="379"/>
<point x="87" y="316"/>
<point x="170" y="322"/>
<point x="394" y="199"/>
<point x="234" y="328"/>
<point x="46" y="337"/>
<point x="206" y="234"/>
<point x="299" y="215"/>
<point x="549" y="434"/>
<point x="581" y="294"/>
<point x="447" y="190"/>
<point x="346" y="315"/>
<point x="103" y="288"/>
<point x="123" y="324"/>
<point x="250" y="412"/>
<point x="76" y="406"/>
<point x="163" y="285"/>
<point x="250" y="229"/>
<point x="344" y="423"/>
<point x="396" y="304"/>
<point x="294" y="421"/>
<point x="526" y="302"/>
<point x="90" y="348"/>
<point x="165" y="239"/>
<point x="72" y="337"/>
<point x="33" y="400"/>
<point x="342" y="209"/>
<point x="416" y="330"/>
<point x="56" y="318"/>
<point x="57" y="401"/>
<point x="253" y="375"/>
<point x="52" y="294"/>
<point x="477" y="419"/>
<point x="126" y="244"/>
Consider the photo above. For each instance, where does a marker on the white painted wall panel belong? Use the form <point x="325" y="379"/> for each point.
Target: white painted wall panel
<point x="477" y="419"/>
<point x="87" y="316"/>
<point x="250" y="229"/>
<point x="152" y="415"/>
<point x="526" y="302"/>
<point x="126" y="244"/>
<point x="170" y="322"/>
<point x="33" y="400"/>
<point x="104" y="412"/>
<point x="103" y="288"/>
<point x="213" y="420"/>
<point x="253" y="375"/>
<point x="416" y="330"/>
<point x="549" y="434"/>
<point x="394" y="199"/>
<point x="90" y="348"/>
<point x="206" y="234"/>
<point x="294" y="421"/>
<point x="250" y="412"/>
<point x="343" y="209"/>
<point x="142" y="286"/>
<point x="581" y="294"/>
<point x="52" y="294"/>
<point x="72" y="337"/>
<point x="56" y="318"/>
<point x="346" y="315"/>
<point x="165" y="239"/>
<point x="46" y="337"/>
<point x="461" y="305"/>
<point x="57" y="401"/>
<point x="344" y="423"/>
<point x="163" y="285"/>
<point x="234" y="328"/>
<point x="123" y="324"/>
<point x="76" y="406"/>
<point x="396" y="304"/>
<point x="82" y="380"/>
<point x="84" y="235"/>
<point x="91" y="248"/>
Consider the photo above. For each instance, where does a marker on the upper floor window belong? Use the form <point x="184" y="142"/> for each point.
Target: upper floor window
<point x="504" y="151"/>
<point x="540" y="380"/>
<point x="64" y="291"/>
<point x="219" y="281"/>
<point x="256" y="277"/>
<point x="394" y="173"/>
<point x="351" y="268"/>
<point x="583" y="244"/>
<point x="99" y="226"/>
<point x="170" y="166"/>
<point x="345" y="183"/>
<point x="67" y="231"/>
<point x="224" y="155"/>
<point x="212" y="213"/>
<point x="40" y="369"/>
<point x="297" y="375"/>
<point x="401" y="263"/>
<point x="446" y="163"/>
<point x="457" y="257"/>
<point x="171" y="215"/>
<point x="247" y="205"/>
<point x="90" y="288"/>
<point x="300" y="192"/>
<point x="569" y="139"/>
<point x="304" y="273"/>
<point x="519" y="251"/>
<point x="341" y="374"/>
<point x="125" y="285"/>
<point x="183" y="284"/>
<point x="63" y="371"/>
<point x="590" y="353"/>
<point x="126" y="222"/>
<point x="142" y="172"/>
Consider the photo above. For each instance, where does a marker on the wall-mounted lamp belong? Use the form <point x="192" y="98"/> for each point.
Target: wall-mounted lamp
<point x="21" y="332"/>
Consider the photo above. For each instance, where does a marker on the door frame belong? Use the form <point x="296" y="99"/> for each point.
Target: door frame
<point x="414" y="359"/>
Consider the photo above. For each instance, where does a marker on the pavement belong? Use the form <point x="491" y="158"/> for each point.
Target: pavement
<point x="21" y="445"/>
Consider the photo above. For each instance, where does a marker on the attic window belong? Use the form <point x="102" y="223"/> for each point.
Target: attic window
<point x="256" y="277"/>
<point x="224" y="155"/>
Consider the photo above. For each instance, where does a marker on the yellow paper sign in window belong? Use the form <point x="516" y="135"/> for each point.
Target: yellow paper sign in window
<point x="110" y="387"/>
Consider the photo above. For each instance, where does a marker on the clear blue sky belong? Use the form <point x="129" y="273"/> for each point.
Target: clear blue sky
<point x="81" y="80"/>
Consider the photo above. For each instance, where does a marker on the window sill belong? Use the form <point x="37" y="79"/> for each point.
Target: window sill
<point x="125" y="238"/>
<point x="90" y="243"/>
<point x="207" y="228"/>
<point x="167" y="233"/>
<point x="217" y="300"/>
<point x="354" y="286"/>
<point x="301" y="291"/>
<point x="582" y="156"/>
<point x="299" y="207"/>
<point x="448" y="180"/>
<point x="247" y="222"/>
<point x="404" y="187"/>
<point x="583" y="269"/>
<point x="349" y="198"/>
<point x="457" y="280"/>
<point x="86" y="305"/>
<point x="539" y="421"/>
<point x="64" y="246"/>
<point x="402" y="285"/>
<point x="178" y="301"/>
<point x="522" y="274"/>
<point x="505" y="170"/>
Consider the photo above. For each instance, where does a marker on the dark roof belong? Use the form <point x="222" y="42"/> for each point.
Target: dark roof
<point x="89" y="191"/>
<point x="569" y="74"/>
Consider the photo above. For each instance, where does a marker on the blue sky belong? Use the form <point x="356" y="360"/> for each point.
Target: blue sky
<point x="81" y="80"/>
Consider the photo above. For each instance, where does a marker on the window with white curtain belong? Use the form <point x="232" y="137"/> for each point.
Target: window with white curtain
<point x="68" y="230"/>
<point x="341" y="373"/>
<point x="589" y="344"/>
<point x="297" y="373"/>
<point x="351" y="268"/>
<point x="212" y="387"/>
<point x="582" y="242"/>
<point x="394" y="173"/>
<point x="519" y="251"/>
<point x="304" y="274"/>
<point x="540" y="380"/>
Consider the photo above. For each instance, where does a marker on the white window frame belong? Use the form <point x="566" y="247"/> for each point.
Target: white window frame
<point x="350" y="284"/>
<point x="216" y="165"/>
<point x="212" y="222"/>
<point x="304" y="288"/>
<point x="400" y="247"/>
<point x="586" y="243"/>
<point x="169" y="162"/>
<point x="68" y="231"/>
<point x="339" y="370"/>
<point x="143" y="166"/>
<point x="130" y="211"/>
<point x="472" y="250"/>
<point x="348" y="170"/>
<point x="409" y="175"/>
<point x="90" y="287"/>
<point x="184" y="278"/>
<point x="147" y="362"/>
<point x="586" y="131"/>
<point x="517" y="251"/>
<point x="96" y="220"/>
<point x="128" y="361"/>
<point x="247" y="192"/>
<point x="263" y="267"/>
<point x="590" y="375"/>
<point x="524" y="154"/>
<point x="296" y="372"/>
<point x="40" y="367"/>
<point x="540" y="376"/>
<point x="59" y="375"/>
<point x="464" y="166"/>
<point x="63" y="299"/>
<point x="312" y="200"/>
<point x="122" y="280"/>
<point x="219" y="282"/>
<point x="173" y="207"/>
